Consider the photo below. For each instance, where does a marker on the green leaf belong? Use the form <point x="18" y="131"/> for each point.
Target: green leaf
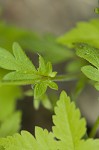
<point x="89" y="144"/>
<point x="23" y="61"/>
<point x="26" y="141"/>
<point x="7" y="60"/>
<point x="8" y="100"/>
<point x="10" y="125"/>
<point x="85" y="32"/>
<point x="49" y="70"/>
<point x="45" y="68"/>
<point x="39" y="89"/>
<point x="46" y="102"/>
<point x="69" y="127"/>
<point x="23" y="72"/>
<point x="39" y="93"/>
<point x="42" y="66"/>
<point x="24" y="76"/>
<point x="18" y="62"/>
<point x="52" y="85"/>
<point x="89" y="53"/>
<point x="91" y="72"/>
<point x="68" y="131"/>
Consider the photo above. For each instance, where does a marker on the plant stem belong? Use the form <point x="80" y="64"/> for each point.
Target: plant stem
<point x="94" y="129"/>
<point x="60" y="78"/>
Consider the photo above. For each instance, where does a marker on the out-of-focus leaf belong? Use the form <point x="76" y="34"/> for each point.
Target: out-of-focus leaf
<point x="10" y="125"/>
<point x="85" y="32"/>
<point x="8" y="97"/>
<point x="45" y="45"/>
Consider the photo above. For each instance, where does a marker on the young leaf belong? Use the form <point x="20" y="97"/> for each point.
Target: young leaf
<point x="52" y="85"/>
<point x="45" y="68"/>
<point x="23" y="72"/>
<point x="39" y="89"/>
<point x="69" y="130"/>
<point x="69" y="127"/>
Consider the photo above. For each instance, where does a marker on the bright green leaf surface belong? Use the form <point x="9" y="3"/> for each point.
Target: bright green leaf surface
<point x="69" y="130"/>
<point x="69" y="127"/>
<point x="89" y="144"/>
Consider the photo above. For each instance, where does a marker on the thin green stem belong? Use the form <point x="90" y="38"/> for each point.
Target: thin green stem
<point x="58" y="78"/>
<point x="94" y="129"/>
<point x="67" y="77"/>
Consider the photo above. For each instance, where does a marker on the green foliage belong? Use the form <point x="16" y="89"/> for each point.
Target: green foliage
<point x="45" y="45"/>
<point x="8" y="97"/>
<point x="22" y="71"/>
<point x="90" y="54"/>
<point x="85" y="32"/>
<point x="10" y="125"/>
<point x="68" y="129"/>
<point x="9" y="119"/>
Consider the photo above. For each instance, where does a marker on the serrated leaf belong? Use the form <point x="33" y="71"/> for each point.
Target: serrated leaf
<point x="69" y="127"/>
<point x="19" y="63"/>
<point x="91" y="72"/>
<point x="26" y="141"/>
<point x="67" y="133"/>
<point x="23" y="61"/>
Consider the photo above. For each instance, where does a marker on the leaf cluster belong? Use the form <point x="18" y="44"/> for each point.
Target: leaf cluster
<point x="68" y="129"/>
<point x="21" y="71"/>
